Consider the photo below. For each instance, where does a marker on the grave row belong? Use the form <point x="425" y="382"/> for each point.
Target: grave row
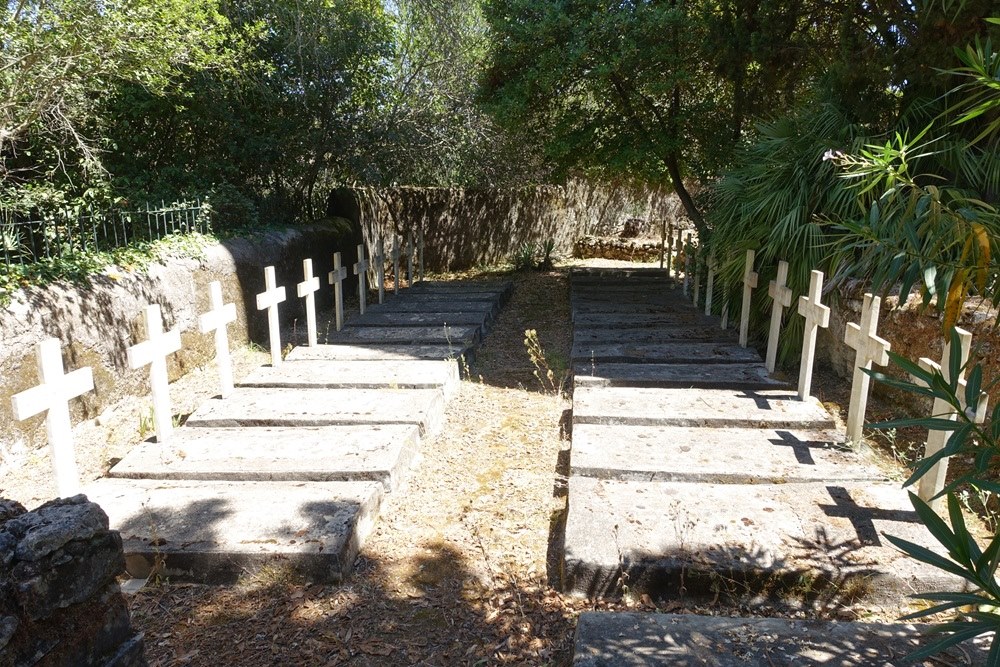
<point x="57" y="388"/>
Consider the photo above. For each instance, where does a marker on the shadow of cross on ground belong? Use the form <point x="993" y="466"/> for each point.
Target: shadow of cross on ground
<point x="863" y="518"/>
<point x="763" y="401"/>
<point x="801" y="448"/>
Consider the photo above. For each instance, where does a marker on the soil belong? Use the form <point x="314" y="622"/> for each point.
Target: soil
<point x="461" y="566"/>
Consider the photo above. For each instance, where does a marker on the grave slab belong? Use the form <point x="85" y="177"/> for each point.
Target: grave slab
<point x="715" y="455"/>
<point x="378" y="453"/>
<point x="639" y="320"/>
<point x="359" y="374"/>
<point x="459" y="336"/>
<point x="430" y="297"/>
<point x="422" y="319"/>
<point x="373" y="352"/>
<point x="746" y="408"/>
<point x="213" y="532"/>
<point x="665" y="353"/>
<point x="629" y="639"/>
<point x="797" y="544"/>
<point x="322" y="407"/>
<point x="460" y="287"/>
<point x="602" y="273"/>
<point x="399" y="304"/>
<point x="624" y="307"/>
<point x="726" y="376"/>
<point x="668" y="300"/>
<point x="706" y="332"/>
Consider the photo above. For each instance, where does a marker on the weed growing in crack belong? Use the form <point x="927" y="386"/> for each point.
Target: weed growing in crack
<point x="550" y="370"/>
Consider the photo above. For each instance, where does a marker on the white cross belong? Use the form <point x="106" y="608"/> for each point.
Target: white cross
<point x="677" y="263"/>
<point x="308" y="288"/>
<point x="54" y="393"/>
<point x="817" y="315"/>
<point x="697" y="281"/>
<point x="153" y="352"/>
<point x="336" y="278"/>
<point x="395" y="263"/>
<point x="687" y="262"/>
<point x="361" y="271"/>
<point x="933" y="481"/>
<point x="710" y="284"/>
<point x="420" y="262"/>
<point x="380" y="269"/>
<point x="409" y="260"/>
<point x="870" y="348"/>
<point x="269" y="300"/>
<point x="749" y="283"/>
<point x="669" y="242"/>
<point x="781" y="298"/>
<point x="216" y="320"/>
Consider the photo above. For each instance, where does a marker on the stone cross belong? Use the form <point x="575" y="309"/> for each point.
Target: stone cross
<point x="307" y="289"/>
<point x="216" y="320"/>
<point x="410" y="254"/>
<point x="687" y="262"/>
<point x="420" y="263"/>
<point x="268" y="300"/>
<point x="337" y="278"/>
<point x="380" y="269"/>
<point x="933" y="481"/>
<point x="817" y="315"/>
<point x="361" y="271"/>
<point x="710" y="284"/>
<point x="53" y="395"/>
<point x="395" y="263"/>
<point x="870" y="348"/>
<point x="749" y="283"/>
<point x="781" y="298"/>
<point x="153" y="352"/>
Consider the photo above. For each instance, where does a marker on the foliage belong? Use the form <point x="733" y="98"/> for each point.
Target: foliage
<point x="975" y="611"/>
<point x="550" y="371"/>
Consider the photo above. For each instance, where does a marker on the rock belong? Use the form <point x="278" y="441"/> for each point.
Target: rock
<point x="54" y="524"/>
<point x="10" y="509"/>
<point x="8" y="626"/>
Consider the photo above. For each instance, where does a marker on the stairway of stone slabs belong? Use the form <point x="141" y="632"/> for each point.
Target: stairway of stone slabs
<point x="291" y="468"/>
<point x="696" y="475"/>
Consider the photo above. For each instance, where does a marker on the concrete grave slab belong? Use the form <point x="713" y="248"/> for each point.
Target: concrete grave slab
<point x="640" y="320"/>
<point x="368" y="352"/>
<point x="422" y="319"/>
<point x="746" y="408"/>
<point x="357" y="374"/>
<point x="665" y="353"/>
<point x="667" y="300"/>
<point x="625" y="307"/>
<point x="705" y="332"/>
<point x="461" y="286"/>
<point x="799" y="544"/>
<point x="322" y="407"/>
<point x="400" y="304"/>
<point x="726" y="376"/>
<point x="715" y="455"/>
<point x="214" y="532"/>
<point x="628" y="639"/>
<point x="430" y="297"/>
<point x="458" y="335"/>
<point x="602" y="273"/>
<point x="378" y="453"/>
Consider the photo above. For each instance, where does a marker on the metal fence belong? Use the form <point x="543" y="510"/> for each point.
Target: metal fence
<point x="24" y="240"/>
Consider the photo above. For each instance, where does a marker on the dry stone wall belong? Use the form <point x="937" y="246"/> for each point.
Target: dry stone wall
<point x="60" y="603"/>
<point x="97" y="323"/>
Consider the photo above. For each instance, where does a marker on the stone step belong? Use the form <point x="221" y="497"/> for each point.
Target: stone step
<point x="374" y="352"/>
<point x="384" y="318"/>
<point x="630" y="639"/>
<point x="357" y="374"/>
<point x="322" y="407"/>
<point x="214" y="532"/>
<point x="795" y="544"/>
<point x="715" y="455"/>
<point x="723" y="376"/>
<point x="695" y="332"/>
<point x="460" y="337"/>
<point x="748" y="408"/>
<point x="378" y="453"/>
<point x="665" y="353"/>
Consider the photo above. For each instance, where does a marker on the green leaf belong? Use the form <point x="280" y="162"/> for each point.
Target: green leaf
<point x="925" y="555"/>
<point x="969" y="631"/>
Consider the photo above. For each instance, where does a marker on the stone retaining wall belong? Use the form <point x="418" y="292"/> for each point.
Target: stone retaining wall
<point x="60" y="604"/>
<point x="97" y="323"/>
